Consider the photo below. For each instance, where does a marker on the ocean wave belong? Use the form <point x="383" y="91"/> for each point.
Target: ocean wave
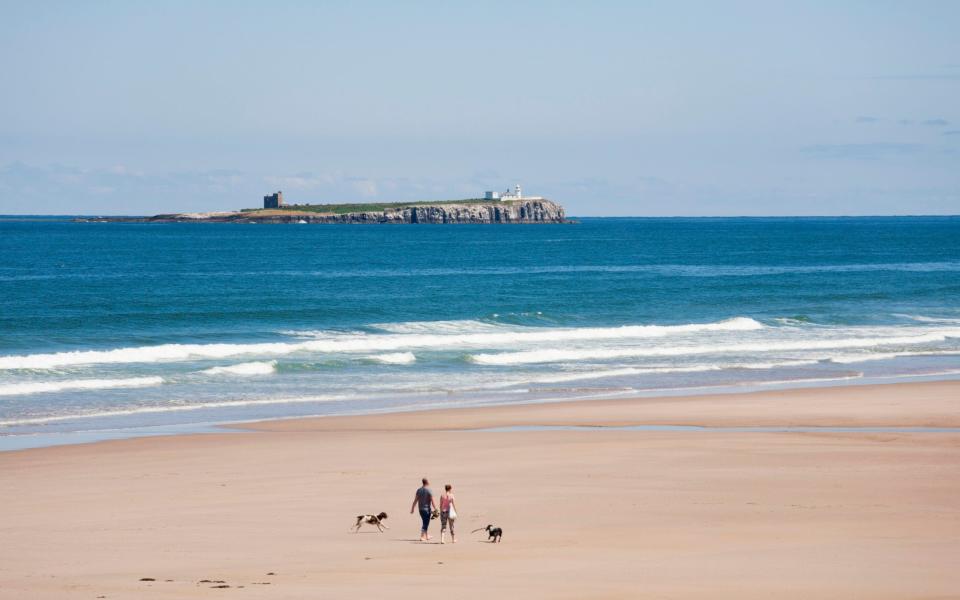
<point x="452" y="327"/>
<point x="755" y="270"/>
<point x="247" y="369"/>
<point x="757" y="383"/>
<point x="39" y="387"/>
<point x="679" y="270"/>
<point x="794" y="321"/>
<point x="365" y="343"/>
<point x="470" y="332"/>
<point x="933" y="373"/>
<point x="855" y="375"/>
<point x="759" y="366"/>
<point x="856" y="358"/>
<point x="396" y="358"/>
<point x="869" y="356"/>
<point x="923" y="319"/>
<point x="653" y="370"/>
<point x="140" y="354"/>
<point x="561" y="355"/>
<point x="602" y="374"/>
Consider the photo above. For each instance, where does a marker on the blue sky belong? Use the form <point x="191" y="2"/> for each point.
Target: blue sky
<point x="612" y="108"/>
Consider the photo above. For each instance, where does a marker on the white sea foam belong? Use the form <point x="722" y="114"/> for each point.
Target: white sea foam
<point x="366" y="343"/>
<point x="604" y="373"/>
<point x="855" y="375"/>
<point x="654" y="370"/>
<point x="790" y="322"/>
<point x="396" y="358"/>
<point x="140" y="354"/>
<point x="142" y="410"/>
<point x="563" y="355"/>
<point x="247" y="369"/>
<point x="38" y="387"/>
<point x="771" y="365"/>
<point x="846" y="359"/>
<point x="869" y="356"/>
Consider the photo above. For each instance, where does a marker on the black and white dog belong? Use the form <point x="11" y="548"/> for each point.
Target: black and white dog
<point x="377" y="520"/>
<point x="494" y="533"/>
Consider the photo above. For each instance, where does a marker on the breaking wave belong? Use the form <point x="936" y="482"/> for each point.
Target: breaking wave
<point x="365" y="343"/>
<point x="562" y="355"/>
<point x="244" y="369"/>
<point x="140" y="354"/>
<point x="396" y="358"/>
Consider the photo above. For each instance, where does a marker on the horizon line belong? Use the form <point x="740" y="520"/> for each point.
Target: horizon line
<point x="742" y="216"/>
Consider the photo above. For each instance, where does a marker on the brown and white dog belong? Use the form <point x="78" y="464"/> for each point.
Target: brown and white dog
<point x="377" y="520"/>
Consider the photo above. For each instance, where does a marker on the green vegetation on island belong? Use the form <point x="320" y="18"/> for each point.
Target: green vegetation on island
<point x="342" y="209"/>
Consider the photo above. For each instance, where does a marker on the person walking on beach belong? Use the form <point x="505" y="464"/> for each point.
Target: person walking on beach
<point x="424" y="500"/>
<point x="448" y="513"/>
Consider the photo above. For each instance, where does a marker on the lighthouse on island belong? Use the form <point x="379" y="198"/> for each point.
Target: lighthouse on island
<point x="515" y="194"/>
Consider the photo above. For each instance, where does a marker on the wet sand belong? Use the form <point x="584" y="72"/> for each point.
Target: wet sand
<point x="585" y="513"/>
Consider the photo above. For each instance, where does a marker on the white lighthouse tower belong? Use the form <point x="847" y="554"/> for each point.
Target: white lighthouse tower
<point x="515" y="194"/>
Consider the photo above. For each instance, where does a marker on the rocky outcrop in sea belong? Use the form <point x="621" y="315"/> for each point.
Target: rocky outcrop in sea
<point x="520" y="212"/>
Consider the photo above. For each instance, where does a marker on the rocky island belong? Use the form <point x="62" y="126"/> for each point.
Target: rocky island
<point x="482" y="211"/>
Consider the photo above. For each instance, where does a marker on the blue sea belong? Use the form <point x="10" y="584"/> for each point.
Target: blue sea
<point x="125" y="327"/>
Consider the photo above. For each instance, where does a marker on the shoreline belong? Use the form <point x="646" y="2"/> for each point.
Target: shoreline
<point x="26" y="441"/>
<point x="653" y="410"/>
<point x="267" y="507"/>
<point x="17" y="442"/>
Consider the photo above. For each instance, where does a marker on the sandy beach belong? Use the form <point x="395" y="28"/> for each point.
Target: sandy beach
<point x="586" y="513"/>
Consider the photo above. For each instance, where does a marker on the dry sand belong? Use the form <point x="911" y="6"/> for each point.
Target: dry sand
<point x="586" y="514"/>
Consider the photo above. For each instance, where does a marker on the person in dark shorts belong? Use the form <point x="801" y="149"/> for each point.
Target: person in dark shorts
<point x="423" y="500"/>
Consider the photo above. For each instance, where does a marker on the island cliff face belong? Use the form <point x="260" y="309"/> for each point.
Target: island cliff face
<point x="519" y="211"/>
<point x="534" y="211"/>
